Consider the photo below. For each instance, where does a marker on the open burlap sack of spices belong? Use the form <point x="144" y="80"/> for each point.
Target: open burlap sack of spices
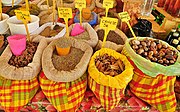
<point x="64" y="85"/>
<point x="153" y="82"/>
<point x="19" y="84"/>
<point x="89" y="36"/>
<point x="46" y="16"/>
<point x="109" y="89"/>
<point x="99" y="3"/>
<point x="115" y="39"/>
<point x="48" y="32"/>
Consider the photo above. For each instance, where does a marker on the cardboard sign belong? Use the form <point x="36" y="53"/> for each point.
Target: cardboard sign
<point x="23" y="15"/>
<point x="65" y="12"/>
<point x="80" y="4"/>
<point x="108" y="3"/>
<point x="108" y="24"/>
<point x="124" y="16"/>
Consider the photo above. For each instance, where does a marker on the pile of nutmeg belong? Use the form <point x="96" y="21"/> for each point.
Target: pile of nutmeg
<point x="108" y="65"/>
<point x="155" y="51"/>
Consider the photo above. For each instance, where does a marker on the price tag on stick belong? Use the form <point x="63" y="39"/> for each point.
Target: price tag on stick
<point x="80" y="4"/>
<point x="12" y="3"/>
<point x="54" y="8"/>
<point x="27" y="5"/>
<point x="124" y="16"/>
<point x="25" y="17"/>
<point x="108" y="4"/>
<point x="108" y="24"/>
<point x="65" y="13"/>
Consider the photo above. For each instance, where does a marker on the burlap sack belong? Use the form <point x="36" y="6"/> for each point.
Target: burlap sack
<point x="46" y="16"/>
<point x="68" y="5"/>
<point x="40" y="4"/>
<point x="110" y="44"/>
<point x="65" y="76"/>
<point x="100" y="5"/>
<point x="93" y="35"/>
<point x="23" y="73"/>
<point x="49" y="39"/>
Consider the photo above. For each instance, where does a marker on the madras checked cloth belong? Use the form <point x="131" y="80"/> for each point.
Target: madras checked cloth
<point x="108" y="96"/>
<point x="64" y="96"/>
<point x="14" y="94"/>
<point x="157" y="91"/>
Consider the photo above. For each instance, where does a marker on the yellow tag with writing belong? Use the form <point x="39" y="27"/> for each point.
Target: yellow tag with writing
<point x="80" y="4"/>
<point x="0" y="6"/>
<point x="108" y="24"/>
<point x="108" y="4"/>
<point x="27" y="5"/>
<point x="23" y="15"/>
<point x="124" y="16"/>
<point x="65" y="13"/>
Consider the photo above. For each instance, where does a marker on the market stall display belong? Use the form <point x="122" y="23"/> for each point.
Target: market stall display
<point x="68" y="77"/>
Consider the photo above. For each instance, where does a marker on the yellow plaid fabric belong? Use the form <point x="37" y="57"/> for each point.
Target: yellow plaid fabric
<point x="109" y="97"/>
<point x="158" y="91"/>
<point x="14" y="94"/>
<point x="64" y="96"/>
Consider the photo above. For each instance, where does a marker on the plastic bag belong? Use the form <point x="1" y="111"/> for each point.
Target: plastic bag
<point x="141" y="29"/>
<point x="153" y="69"/>
<point x="109" y="90"/>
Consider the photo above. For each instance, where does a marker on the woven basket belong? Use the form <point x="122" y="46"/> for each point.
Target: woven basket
<point x="65" y="76"/>
<point x="110" y="44"/>
<point x="23" y="73"/>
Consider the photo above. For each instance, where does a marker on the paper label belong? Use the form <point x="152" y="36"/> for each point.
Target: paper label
<point x="108" y="3"/>
<point x="108" y="23"/>
<point x="80" y="4"/>
<point x="124" y="16"/>
<point x="65" y="12"/>
<point x="23" y="15"/>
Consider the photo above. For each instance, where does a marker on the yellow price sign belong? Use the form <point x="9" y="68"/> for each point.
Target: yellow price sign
<point x="23" y="15"/>
<point x="108" y="24"/>
<point x="108" y="3"/>
<point x="80" y="4"/>
<point x="124" y="16"/>
<point x="65" y="12"/>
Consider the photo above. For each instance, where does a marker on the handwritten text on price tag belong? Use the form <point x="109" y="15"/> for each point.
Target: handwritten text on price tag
<point x="80" y="3"/>
<point x="124" y="16"/>
<point x="23" y="15"/>
<point x="65" y="12"/>
<point x="108" y="23"/>
<point x="108" y="3"/>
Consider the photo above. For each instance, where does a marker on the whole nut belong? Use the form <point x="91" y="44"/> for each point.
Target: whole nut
<point x="143" y="43"/>
<point x="172" y="61"/>
<point x="140" y="51"/>
<point x="151" y="53"/>
<point x="165" y="46"/>
<point x="154" y="59"/>
<point x="169" y="57"/>
<point x="159" y="46"/>
<point x="153" y="44"/>
<point x="160" y="61"/>
<point x="135" y="47"/>
<point x="145" y="48"/>
<point x="166" y="61"/>
<point x="145" y="54"/>
<point x="135" y="42"/>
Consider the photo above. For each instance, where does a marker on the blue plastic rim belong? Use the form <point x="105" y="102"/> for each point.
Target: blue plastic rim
<point x="92" y="23"/>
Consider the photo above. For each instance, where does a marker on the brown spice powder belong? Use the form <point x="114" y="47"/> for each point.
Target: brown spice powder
<point x="68" y="62"/>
